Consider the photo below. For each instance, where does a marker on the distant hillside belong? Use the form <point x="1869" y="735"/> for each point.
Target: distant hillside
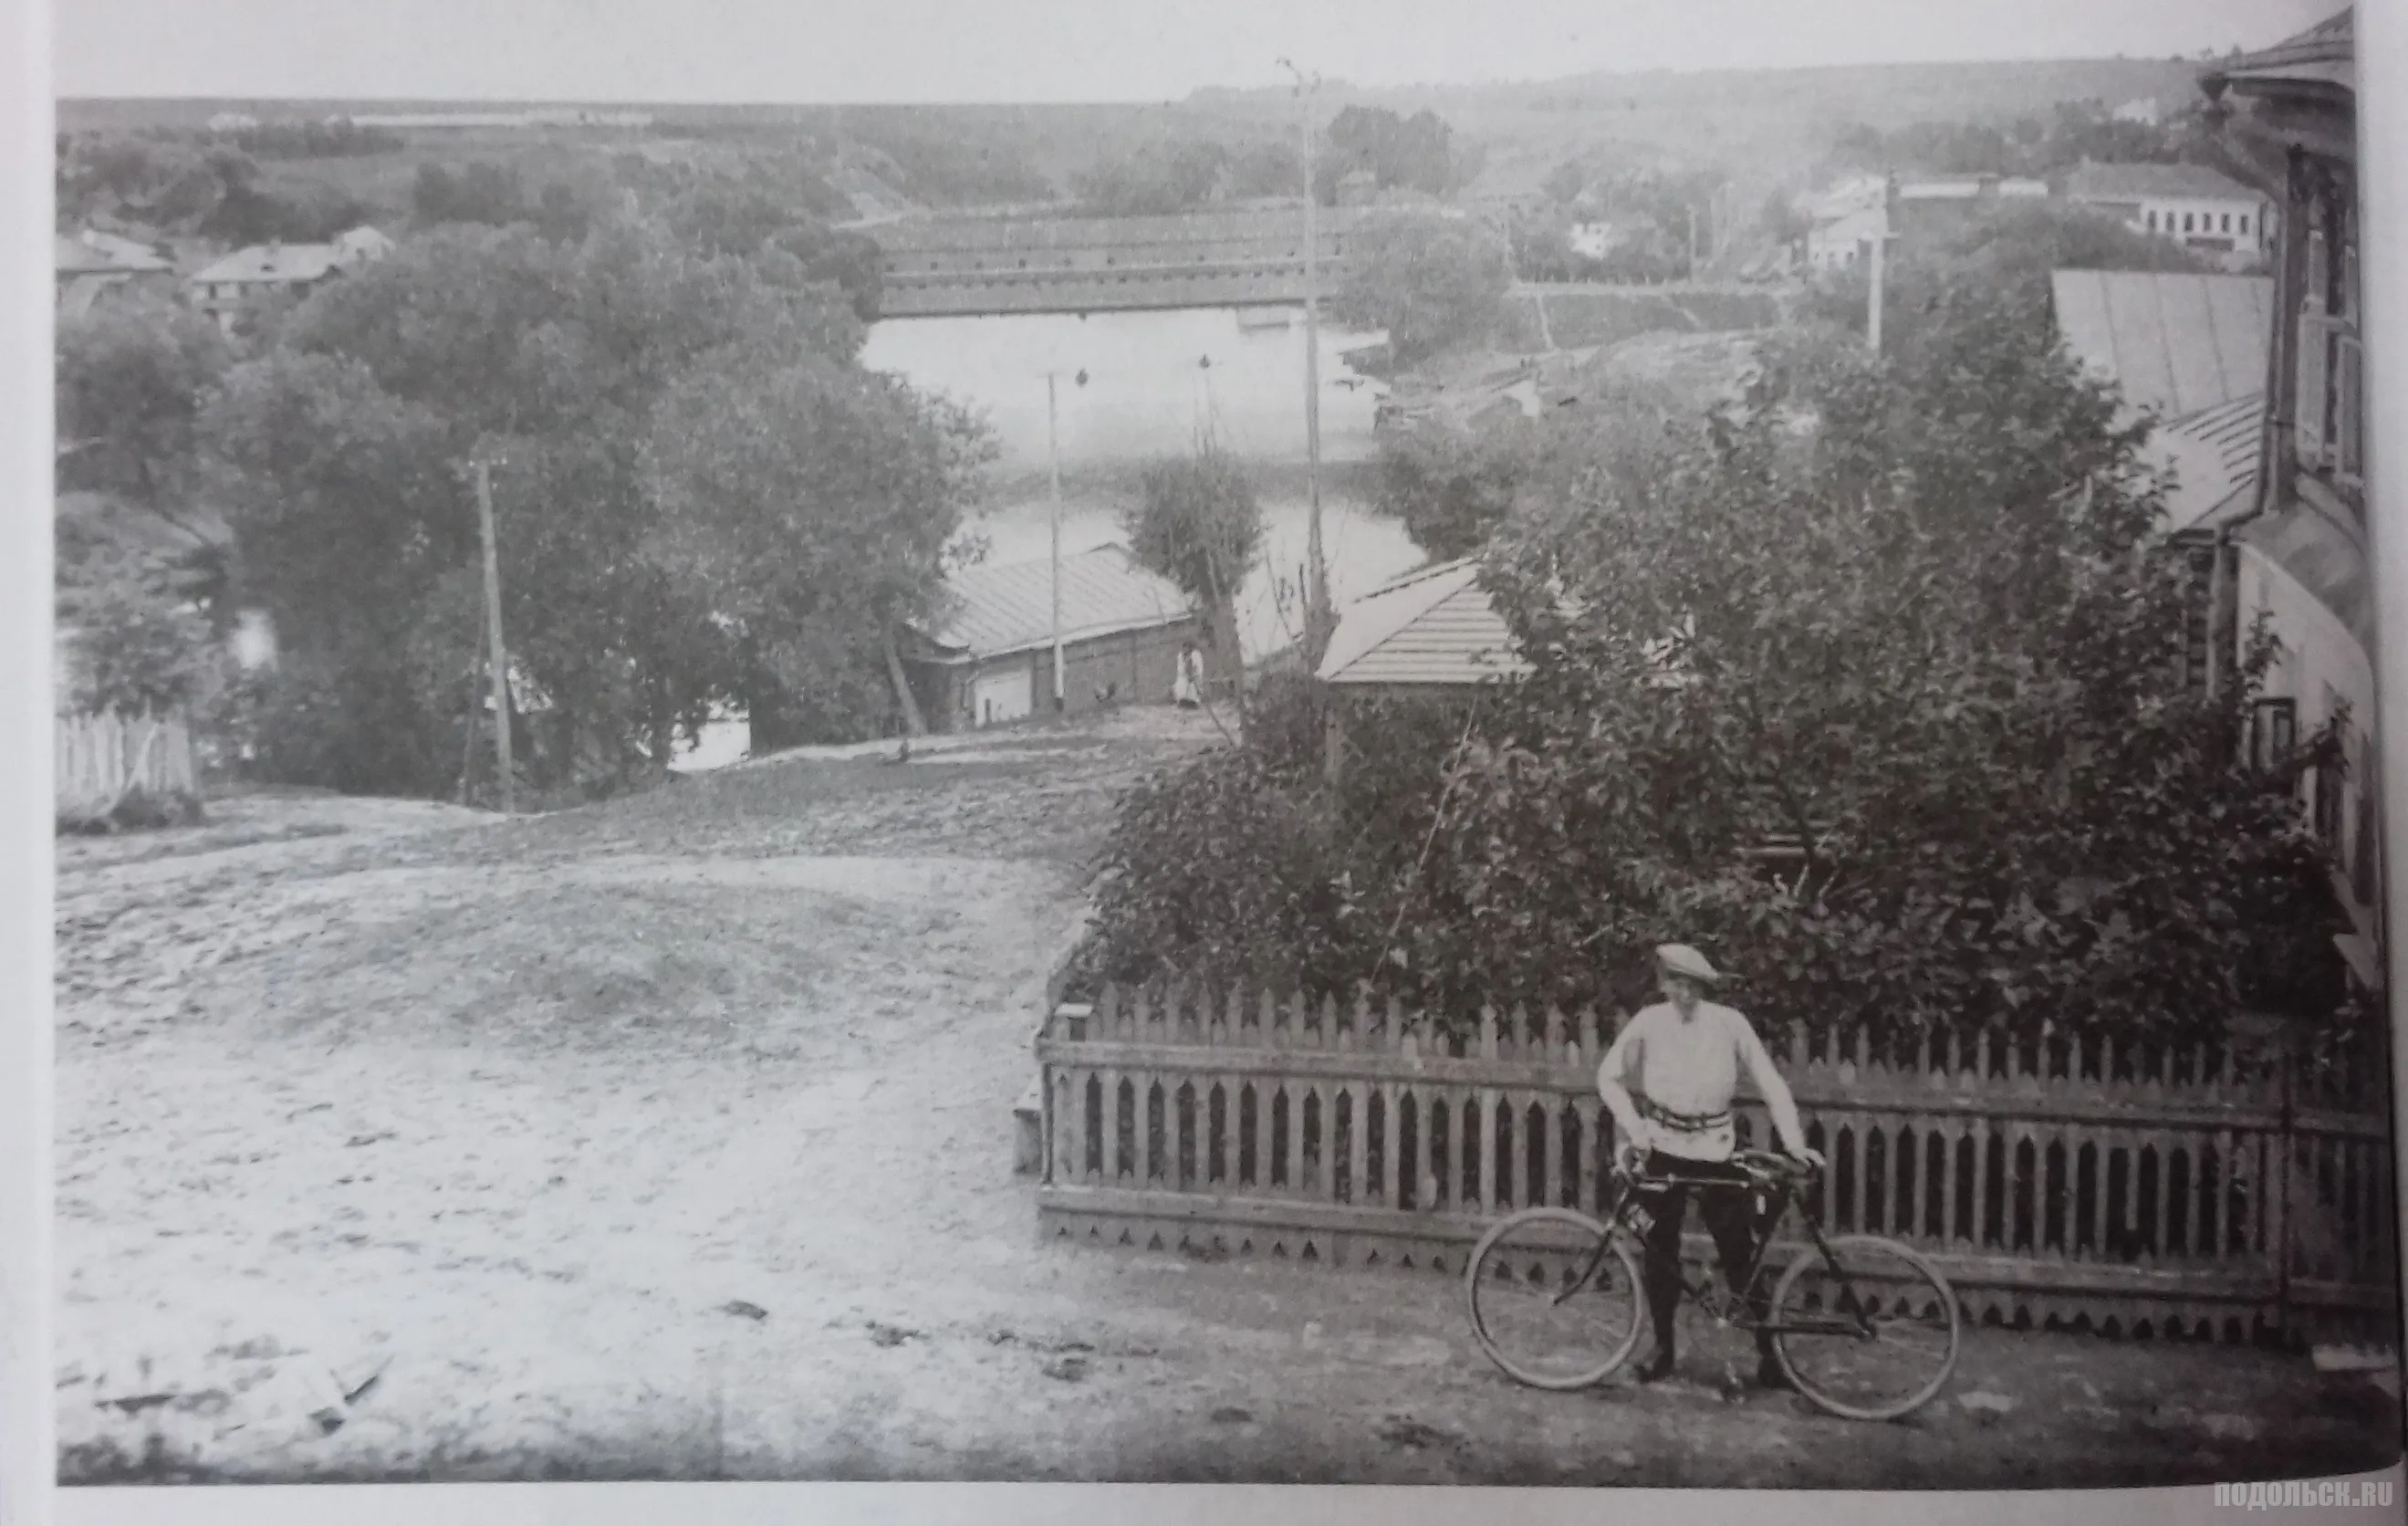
<point x="1759" y="125"/>
<point x="1763" y="127"/>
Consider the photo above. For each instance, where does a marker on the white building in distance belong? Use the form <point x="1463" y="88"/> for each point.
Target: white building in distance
<point x="2192" y="205"/>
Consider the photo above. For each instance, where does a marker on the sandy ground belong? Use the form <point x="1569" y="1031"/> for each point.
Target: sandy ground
<point x="671" y="1138"/>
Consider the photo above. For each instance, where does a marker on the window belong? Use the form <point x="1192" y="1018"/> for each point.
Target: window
<point x="2186" y="222"/>
<point x="2244" y="222"/>
<point x="2227" y="221"/>
<point x="2273" y="731"/>
<point x="2330" y="784"/>
<point x="2153" y="222"/>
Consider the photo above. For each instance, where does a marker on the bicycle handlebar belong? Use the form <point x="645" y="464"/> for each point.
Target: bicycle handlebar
<point x="1757" y="1162"/>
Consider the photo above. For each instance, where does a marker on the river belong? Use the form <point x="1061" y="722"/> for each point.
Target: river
<point x="1153" y="381"/>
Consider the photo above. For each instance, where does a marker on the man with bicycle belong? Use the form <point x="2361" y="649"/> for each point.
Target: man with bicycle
<point x="1668" y="1081"/>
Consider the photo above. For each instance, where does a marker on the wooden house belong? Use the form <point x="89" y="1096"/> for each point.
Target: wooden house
<point x="989" y="659"/>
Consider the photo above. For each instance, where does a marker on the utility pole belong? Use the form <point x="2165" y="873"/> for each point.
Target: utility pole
<point x="494" y="625"/>
<point x="1054" y="471"/>
<point x="1317" y="620"/>
<point x="1873" y="293"/>
<point x="1879" y="264"/>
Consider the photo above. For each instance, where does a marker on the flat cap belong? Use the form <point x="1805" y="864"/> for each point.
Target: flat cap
<point x="1681" y="960"/>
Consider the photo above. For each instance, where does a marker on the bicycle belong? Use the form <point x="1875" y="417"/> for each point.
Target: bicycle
<point x="1865" y="1328"/>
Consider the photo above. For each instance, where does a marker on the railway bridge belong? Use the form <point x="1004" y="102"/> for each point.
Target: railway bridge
<point x="1214" y="259"/>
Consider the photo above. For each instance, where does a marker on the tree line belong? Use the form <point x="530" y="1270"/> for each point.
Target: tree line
<point x="702" y="501"/>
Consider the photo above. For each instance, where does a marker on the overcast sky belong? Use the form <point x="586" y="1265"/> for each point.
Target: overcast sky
<point x="848" y="51"/>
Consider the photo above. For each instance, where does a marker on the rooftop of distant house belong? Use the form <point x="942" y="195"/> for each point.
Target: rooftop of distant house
<point x="2132" y="182"/>
<point x="266" y="263"/>
<point x="994" y="610"/>
<point x="96" y="253"/>
<point x="1966" y="188"/>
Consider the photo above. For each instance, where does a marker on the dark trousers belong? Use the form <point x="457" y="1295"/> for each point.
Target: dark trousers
<point x="1730" y="1216"/>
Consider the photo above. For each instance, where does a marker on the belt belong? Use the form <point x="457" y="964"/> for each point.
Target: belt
<point x="1686" y="1123"/>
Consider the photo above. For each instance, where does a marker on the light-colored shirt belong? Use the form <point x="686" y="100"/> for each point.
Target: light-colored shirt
<point x="1691" y="1066"/>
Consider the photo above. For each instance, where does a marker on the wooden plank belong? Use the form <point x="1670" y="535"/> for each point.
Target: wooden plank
<point x="1261" y="1181"/>
<point x="1229" y="1119"/>
<point x="1359" y="1142"/>
<point x="1141" y="1137"/>
<point x="1295" y="1104"/>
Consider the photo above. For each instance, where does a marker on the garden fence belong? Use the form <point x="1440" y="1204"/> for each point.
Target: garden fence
<point x="102" y="759"/>
<point x="2225" y="1190"/>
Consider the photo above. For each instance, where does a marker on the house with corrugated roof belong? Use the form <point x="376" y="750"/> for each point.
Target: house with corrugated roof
<point x="2189" y="349"/>
<point x="225" y="288"/>
<point x="1431" y="635"/>
<point x="988" y="658"/>
<point x="1431" y="632"/>
<point x="2197" y="206"/>
<point x="93" y="268"/>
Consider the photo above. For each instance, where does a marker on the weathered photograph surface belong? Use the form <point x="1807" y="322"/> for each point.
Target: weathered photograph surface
<point x="1548" y="758"/>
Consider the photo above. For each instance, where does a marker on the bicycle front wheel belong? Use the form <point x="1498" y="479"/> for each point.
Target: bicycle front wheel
<point x="1554" y="1302"/>
<point x="1868" y="1332"/>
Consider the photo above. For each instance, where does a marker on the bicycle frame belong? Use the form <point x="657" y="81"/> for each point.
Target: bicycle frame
<point x="1616" y="1220"/>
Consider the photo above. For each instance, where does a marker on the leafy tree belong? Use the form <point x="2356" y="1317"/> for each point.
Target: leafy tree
<point x="1153" y="181"/>
<point x="479" y="190"/>
<point x="1198" y="523"/>
<point x="808" y="506"/>
<point x="1567" y="180"/>
<point x="1542" y="250"/>
<point x="1434" y="283"/>
<point x="1780" y="220"/>
<point x="345" y="512"/>
<point x="1453" y="486"/>
<point x="1416" y="152"/>
<point x="1870" y="683"/>
<point x="948" y="161"/>
<point x="135" y="642"/>
<point x="552" y="357"/>
<point x="131" y="380"/>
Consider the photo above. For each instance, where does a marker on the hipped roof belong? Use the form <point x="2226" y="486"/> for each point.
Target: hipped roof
<point x="1437" y="626"/>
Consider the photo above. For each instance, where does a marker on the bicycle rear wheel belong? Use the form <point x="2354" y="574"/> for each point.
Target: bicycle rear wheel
<point x="1872" y="1337"/>
<point x="1535" y="1314"/>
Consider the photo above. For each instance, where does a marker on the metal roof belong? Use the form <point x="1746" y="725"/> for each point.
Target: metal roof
<point x="2326" y="53"/>
<point x="1435" y="627"/>
<point x="2213" y="456"/>
<point x="2175" y="343"/>
<point x="103" y="254"/>
<point x="2125" y="182"/>
<point x="272" y="263"/>
<point x="1969" y="189"/>
<point x="993" y="611"/>
<point x="2323" y="558"/>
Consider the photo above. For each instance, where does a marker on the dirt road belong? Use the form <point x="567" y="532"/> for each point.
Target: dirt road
<point x="671" y="1138"/>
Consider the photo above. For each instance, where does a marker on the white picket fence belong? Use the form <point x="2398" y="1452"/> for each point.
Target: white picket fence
<point x="103" y="758"/>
